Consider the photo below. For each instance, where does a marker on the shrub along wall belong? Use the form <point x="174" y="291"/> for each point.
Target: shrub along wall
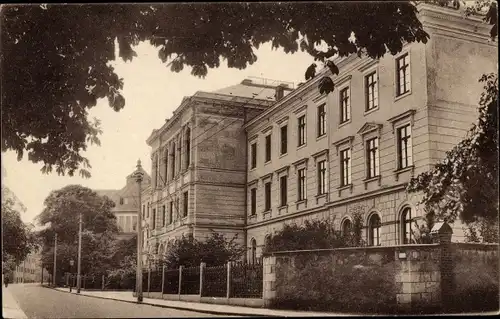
<point x="475" y="277"/>
<point x="409" y="278"/>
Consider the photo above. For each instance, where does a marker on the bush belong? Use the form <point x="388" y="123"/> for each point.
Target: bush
<point x="321" y="286"/>
<point x="316" y="234"/>
<point x="479" y="292"/>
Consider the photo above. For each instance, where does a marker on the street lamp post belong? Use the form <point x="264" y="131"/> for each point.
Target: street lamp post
<point x="138" y="278"/>
<point x="71" y="264"/>
<point x="55" y="261"/>
<point x="78" y="276"/>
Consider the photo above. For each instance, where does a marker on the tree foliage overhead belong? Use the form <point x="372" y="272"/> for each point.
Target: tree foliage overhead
<point x="61" y="217"/>
<point x="465" y="184"/>
<point x="56" y="57"/>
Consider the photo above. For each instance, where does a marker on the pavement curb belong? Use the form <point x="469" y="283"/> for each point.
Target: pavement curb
<point x="172" y="307"/>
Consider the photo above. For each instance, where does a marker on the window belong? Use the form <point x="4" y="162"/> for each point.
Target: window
<point x="302" y="130"/>
<point x="374" y="230"/>
<point x="147" y="216"/>
<point x="253" y="201"/>
<point x="134" y="223"/>
<point x="321" y="120"/>
<point x="371" y="91"/>
<point x="143" y="211"/>
<point x="171" y="212"/>
<point x="346" y="227"/>
<point x="283" y="190"/>
<point x="121" y="200"/>
<point x="372" y="157"/>
<point x="404" y="147"/>
<point x="345" y="167"/>
<point x="253" y="151"/>
<point x="177" y="207"/>
<point x="268" y="148"/>
<point x="267" y="197"/>
<point x="166" y="167"/>
<point x="284" y="139"/>
<point x="185" y="203"/>
<point x="406" y="232"/>
<point x="322" y="177"/>
<point x="403" y="75"/>
<point x="302" y="184"/>
<point x="345" y="105"/>
<point x="188" y="147"/>
<point x="254" y="251"/>
<point x="154" y="219"/>
<point x="164" y="215"/>
<point x="173" y="161"/>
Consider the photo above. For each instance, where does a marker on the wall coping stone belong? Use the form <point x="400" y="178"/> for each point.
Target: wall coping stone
<point x="487" y="246"/>
<point x="392" y="247"/>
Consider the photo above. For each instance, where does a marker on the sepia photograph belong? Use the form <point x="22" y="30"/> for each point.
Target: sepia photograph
<point x="249" y="159"/>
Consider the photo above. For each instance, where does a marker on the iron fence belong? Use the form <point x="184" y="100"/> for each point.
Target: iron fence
<point x="171" y="281"/>
<point x="246" y="280"/>
<point x="190" y="283"/>
<point x="155" y="281"/>
<point x="215" y="281"/>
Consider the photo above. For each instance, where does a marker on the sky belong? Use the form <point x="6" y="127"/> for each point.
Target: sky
<point x="152" y="92"/>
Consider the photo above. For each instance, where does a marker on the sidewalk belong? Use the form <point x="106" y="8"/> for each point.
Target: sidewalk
<point x="127" y="296"/>
<point x="10" y="307"/>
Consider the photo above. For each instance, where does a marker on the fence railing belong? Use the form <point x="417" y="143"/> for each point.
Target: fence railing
<point x="233" y="280"/>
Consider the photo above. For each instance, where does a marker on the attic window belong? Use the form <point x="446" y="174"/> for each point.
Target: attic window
<point x="121" y="200"/>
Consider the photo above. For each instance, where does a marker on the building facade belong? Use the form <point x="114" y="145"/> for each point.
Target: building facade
<point x="314" y="157"/>
<point x="199" y="166"/>
<point x="126" y="204"/>
<point x="303" y="155"/>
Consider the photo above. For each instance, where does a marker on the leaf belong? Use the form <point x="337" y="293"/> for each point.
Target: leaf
<point x="311" y="71"/>
<point x="333" y="68"/>
<point x="326" y="85"/>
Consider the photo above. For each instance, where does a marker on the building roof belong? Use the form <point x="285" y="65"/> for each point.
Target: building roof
<point x="107" y="192"/>
<point x="257" y="88"/>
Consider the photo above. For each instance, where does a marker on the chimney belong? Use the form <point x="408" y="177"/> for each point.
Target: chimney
<point x="280" y="92"/>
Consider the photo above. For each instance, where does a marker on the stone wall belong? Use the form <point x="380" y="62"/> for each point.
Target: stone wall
<point x="410" y="278"/>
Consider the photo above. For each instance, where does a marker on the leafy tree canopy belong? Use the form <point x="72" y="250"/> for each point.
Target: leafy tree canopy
<point x="465" y="183"/>
<point x="214" y="251"/>
<point x="17" y="238"/>
<point x="61" y="216"/>
<point x="58" y="56"/>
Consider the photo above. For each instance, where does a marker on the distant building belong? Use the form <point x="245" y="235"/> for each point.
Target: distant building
<point x="126" y="204"/>
<point x="30" y="270"/>
<point x="199" y="167"/>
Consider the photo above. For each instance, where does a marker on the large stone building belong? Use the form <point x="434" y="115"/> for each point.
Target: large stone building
<point x="126" y="204"/>
<point x="356" y="149"/>
<point x="312" y="156"/>
<point x="199" y="165"/>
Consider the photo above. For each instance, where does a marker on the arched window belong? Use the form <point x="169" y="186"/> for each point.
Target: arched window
<point x="346" y="227"/>
<point x="173" y="161"/>
<point x="166" y="166"/>
<point x="187" y="143"/>
<point x="406" y="232"/>
<point x="253" y="257"/>
<point x="374" y="230"/>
